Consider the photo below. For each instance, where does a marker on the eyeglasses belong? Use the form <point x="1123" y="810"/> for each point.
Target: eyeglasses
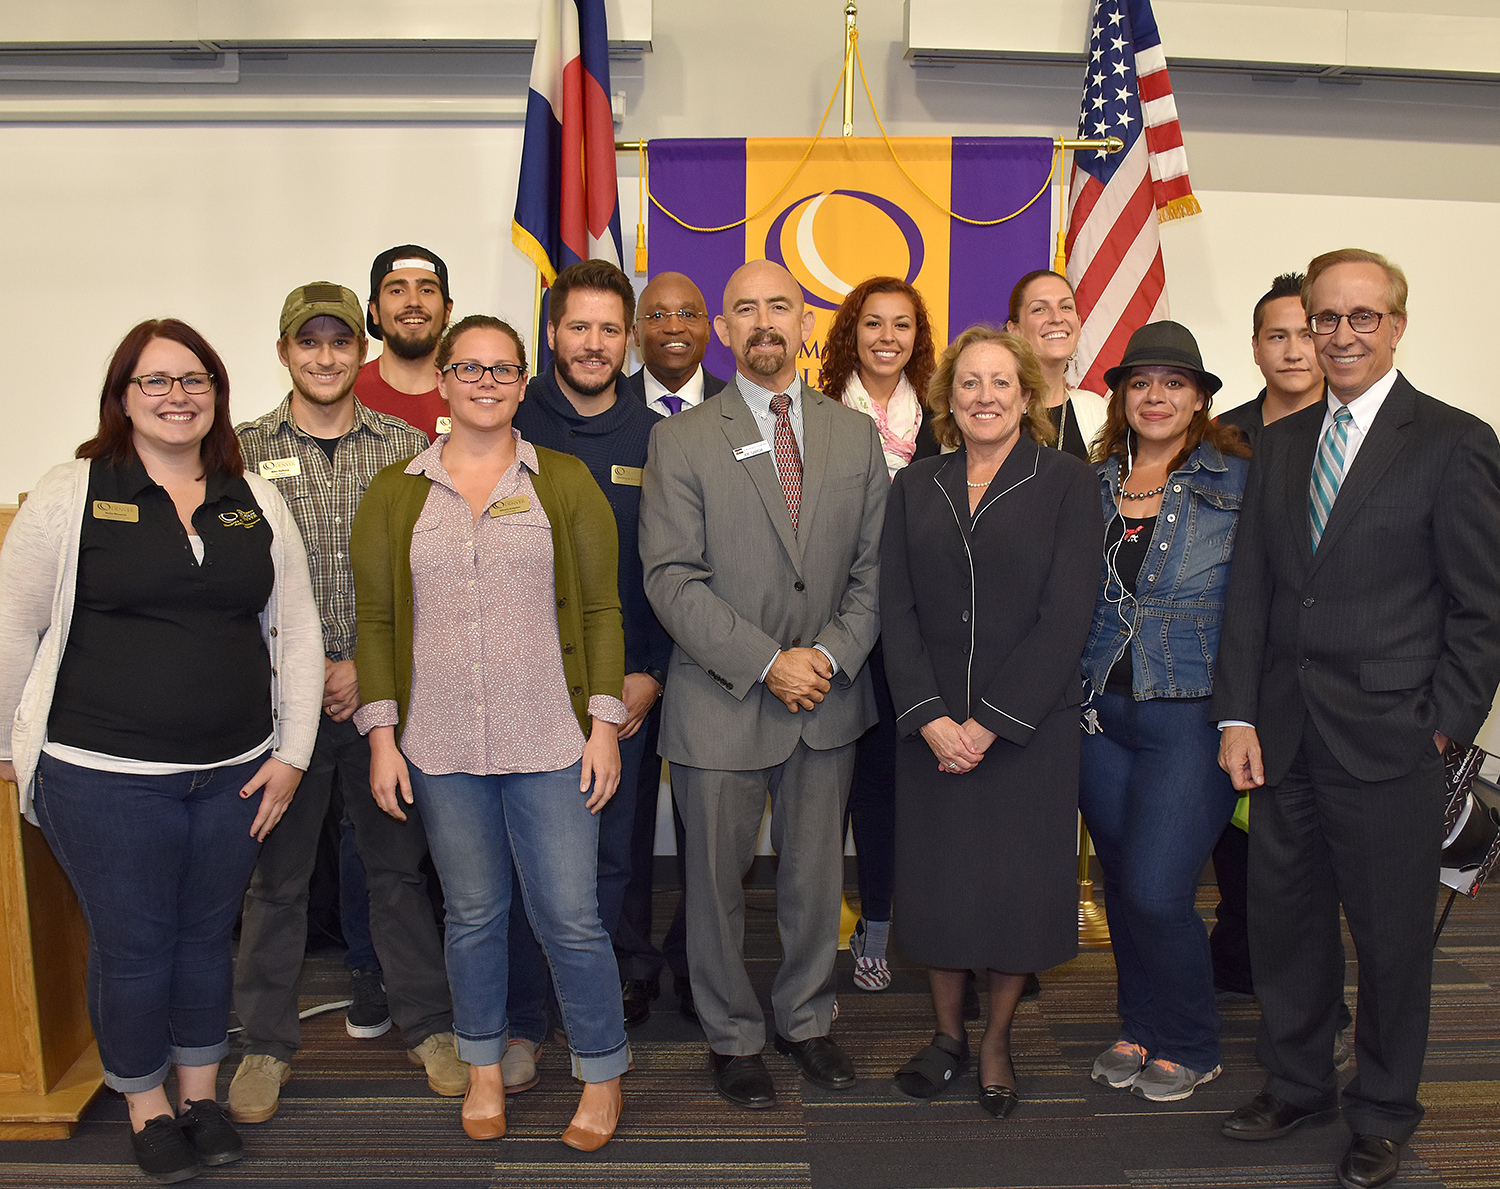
<point x="159" y="384"/>
<point x="505" y="374"/>
<point x="1361" y="322"/>
<point x="656" y="317"/>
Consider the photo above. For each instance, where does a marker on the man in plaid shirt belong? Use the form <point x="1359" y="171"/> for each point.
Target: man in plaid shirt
<point x="321" y="448"/>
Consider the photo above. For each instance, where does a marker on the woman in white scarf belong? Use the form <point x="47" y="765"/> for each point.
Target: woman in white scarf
<point x="878" y="358"/>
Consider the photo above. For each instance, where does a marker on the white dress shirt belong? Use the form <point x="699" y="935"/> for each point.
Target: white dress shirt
<point x="691" y="393"/>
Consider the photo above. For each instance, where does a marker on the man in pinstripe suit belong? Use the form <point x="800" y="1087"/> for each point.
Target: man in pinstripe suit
<point x="1362" y="634"/>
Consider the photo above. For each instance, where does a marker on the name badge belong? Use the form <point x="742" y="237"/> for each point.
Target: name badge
<point x="753" y="449"/>
<point x="626" y="476"/>
<point x="510" y="505"/>
<point x="281" y="468"/>
<point x="444" y="424"/>
<point x="105" y="510"/>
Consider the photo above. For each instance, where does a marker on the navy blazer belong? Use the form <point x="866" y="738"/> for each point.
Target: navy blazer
<point x="1391" y="631"/>
<point x="636" y="384"/>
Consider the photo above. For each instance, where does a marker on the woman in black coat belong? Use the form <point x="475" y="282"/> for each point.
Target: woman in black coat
<point x="989" y="566"/>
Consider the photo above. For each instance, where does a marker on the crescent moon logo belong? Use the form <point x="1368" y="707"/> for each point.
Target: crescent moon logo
<point x="833" y="240"/>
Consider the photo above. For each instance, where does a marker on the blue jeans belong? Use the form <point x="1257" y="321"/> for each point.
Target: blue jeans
<point x="476" y="827"/>
<point x="1155" y="802"/>
<point x="159" y="864"/>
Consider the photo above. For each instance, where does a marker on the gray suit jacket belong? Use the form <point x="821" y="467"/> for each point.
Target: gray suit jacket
<point x="732" y="583"/>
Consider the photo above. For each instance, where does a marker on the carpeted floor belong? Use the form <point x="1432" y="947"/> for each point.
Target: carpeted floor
<point x="356" y="1114"/>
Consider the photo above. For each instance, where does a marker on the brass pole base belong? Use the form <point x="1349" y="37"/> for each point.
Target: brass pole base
<point x="1093" y="928"/>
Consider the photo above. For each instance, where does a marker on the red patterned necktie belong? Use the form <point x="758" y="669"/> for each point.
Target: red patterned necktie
<point x="788" y="460"/>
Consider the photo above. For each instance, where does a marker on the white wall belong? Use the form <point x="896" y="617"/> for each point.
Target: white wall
<point x="1283" y="169"/>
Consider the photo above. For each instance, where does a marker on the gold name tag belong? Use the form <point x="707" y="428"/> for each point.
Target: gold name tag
<point x="510" y="505"/>
<point x="444" y="424"/>
<point x="626" y="476"/>
<point x="104" y="510"/>
<point x="281" y="468"/>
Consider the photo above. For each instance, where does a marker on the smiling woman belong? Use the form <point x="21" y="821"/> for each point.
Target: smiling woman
<point x="154" y="554"/>
<point x="491" y="665"/>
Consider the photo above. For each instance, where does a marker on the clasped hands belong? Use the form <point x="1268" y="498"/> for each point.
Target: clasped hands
<point x="958" y="748"/>
<point x="800" y="677"/>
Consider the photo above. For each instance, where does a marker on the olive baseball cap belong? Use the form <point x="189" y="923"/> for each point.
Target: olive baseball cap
<point x="307" y="302"/>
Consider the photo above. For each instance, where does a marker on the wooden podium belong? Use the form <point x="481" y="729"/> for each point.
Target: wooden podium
<point x="49" y="1065"/>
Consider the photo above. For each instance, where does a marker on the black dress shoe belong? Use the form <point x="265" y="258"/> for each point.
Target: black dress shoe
<point x="1267" y="1117"/>
<point x="821" y="1061"/>
<point x="742" y="1080"/>
<point x="1033" y="987"/>
<point x="1369" y="1162"/>
<point x="636" y="995"/>
<point x="685" y="1006"/>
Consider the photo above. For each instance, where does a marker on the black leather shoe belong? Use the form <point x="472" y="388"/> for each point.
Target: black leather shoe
<point x="1369" y="1162"/>
<point x="742" y="1080"/>
<point x="821" y="1061"/>
<point x="1267" y="1117"/>
<point x="685" y="1006"/>
<point x="636" y="995"/>
<point x="211" y="1135"/>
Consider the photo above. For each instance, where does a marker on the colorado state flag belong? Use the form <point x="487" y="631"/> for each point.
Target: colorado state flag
<point x="567" y="198"/>
<point x="851" y="213"/>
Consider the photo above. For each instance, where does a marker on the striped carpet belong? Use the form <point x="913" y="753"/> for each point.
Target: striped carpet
<point x="357" y="1114"/>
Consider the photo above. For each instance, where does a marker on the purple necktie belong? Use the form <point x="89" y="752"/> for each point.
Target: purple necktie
<point x="673" y="403"/>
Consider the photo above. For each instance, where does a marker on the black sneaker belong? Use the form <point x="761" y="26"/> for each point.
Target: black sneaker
<point x="211" y="1135"/>
<point x="163" y="1152"/>
<point x="368" y="1016"/>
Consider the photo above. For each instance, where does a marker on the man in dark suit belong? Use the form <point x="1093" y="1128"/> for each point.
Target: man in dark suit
<point x="671" y="329"/>
<point x="760" y="536"/>
<point x="1362" y="634"/>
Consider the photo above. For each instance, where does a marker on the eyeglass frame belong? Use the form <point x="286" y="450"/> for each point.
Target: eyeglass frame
<point x="180" y="381"/>
<point x="688" y="316"/>
<point x="493" y="369"/>
<point x="1312" y="321"/>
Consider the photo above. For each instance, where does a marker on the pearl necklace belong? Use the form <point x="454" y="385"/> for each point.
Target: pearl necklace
<point x="986" y="483"/>
<point x="1142" y="495"/>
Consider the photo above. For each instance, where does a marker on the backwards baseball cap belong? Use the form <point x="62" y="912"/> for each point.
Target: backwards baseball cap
<point x="306" y="302"/>
<point x="405" y="256"/>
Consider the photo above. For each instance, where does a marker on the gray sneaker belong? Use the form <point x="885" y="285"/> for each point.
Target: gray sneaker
<point x="1118" y="1067"/>
<point x="1166" y="1081"/>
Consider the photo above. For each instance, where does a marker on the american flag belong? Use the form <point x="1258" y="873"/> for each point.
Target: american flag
<point x="1113" y="244"/>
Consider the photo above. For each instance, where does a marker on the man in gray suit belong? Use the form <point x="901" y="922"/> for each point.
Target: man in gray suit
<point x="759" y="531"/>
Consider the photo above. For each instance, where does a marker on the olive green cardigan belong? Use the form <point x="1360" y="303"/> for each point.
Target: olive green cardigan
<point x="585" y="557"/>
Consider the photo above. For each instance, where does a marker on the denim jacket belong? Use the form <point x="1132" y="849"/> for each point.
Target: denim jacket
<point x="1172" y="621"/>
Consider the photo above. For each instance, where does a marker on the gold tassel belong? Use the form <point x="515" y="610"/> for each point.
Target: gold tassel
<point x="640" y="247"/>
<point x="1179" y="208"/>
<point x="640" y="225"/>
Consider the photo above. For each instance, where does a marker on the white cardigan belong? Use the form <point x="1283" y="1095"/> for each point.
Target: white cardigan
<point x="38" y="583"/>
<point x="1089" y="410"/>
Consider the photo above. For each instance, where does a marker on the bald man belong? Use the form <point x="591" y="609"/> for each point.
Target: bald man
<point x="671" y="330"/>
<point x="760" y="528"/>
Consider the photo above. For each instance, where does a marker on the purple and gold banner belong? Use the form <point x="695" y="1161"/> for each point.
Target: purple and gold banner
<point x="851" y="213"/>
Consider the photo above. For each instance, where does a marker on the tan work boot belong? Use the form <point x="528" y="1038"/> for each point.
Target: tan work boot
<point x="446" y="1074"/>
<point x="255" y="1092"/>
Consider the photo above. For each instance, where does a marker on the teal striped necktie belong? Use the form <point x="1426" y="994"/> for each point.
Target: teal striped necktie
<point x="1328" y="473"/>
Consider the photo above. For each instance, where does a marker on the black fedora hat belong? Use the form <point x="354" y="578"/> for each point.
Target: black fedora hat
<point x="1164" y="344"/>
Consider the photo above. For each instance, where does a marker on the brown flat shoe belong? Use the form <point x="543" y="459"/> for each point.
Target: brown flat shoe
<point x="485" y="1126"/>
<point x="585" y="1140"/>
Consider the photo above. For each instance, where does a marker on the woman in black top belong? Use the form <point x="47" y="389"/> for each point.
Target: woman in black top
<point x="161" y="674"/>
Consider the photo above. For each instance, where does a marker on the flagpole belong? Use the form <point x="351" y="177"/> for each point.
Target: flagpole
<point x="1109" y="144"/>
<point x="851" y="35"/>
<point x="536" y="322"/>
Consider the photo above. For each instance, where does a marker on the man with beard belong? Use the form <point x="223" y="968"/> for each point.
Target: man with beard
<point x="576" y="407"/>
<point x="409" y="309"/>
<point x="321" y="447"/>
<point x="760" y="530"/>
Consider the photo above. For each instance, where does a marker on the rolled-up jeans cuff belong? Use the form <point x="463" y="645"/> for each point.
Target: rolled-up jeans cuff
<point x="137" y="1085"/>
<point x="481" y="1050"/>
<point x="601" y="1067"/>
<point x="199" y="1055"/>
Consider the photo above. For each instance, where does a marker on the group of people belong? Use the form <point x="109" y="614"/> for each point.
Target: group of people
<point x="943" y="599"/>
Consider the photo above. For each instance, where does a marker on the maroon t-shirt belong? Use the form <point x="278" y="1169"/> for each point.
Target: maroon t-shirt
<point x="420" y="411"/>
